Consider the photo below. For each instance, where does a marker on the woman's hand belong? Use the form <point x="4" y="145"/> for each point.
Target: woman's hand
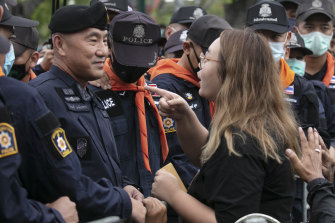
<point x="165" y="186"/>
<point x="309" y="167"/>
<point x="171" y="104"/>
<point x="328" y="161"/>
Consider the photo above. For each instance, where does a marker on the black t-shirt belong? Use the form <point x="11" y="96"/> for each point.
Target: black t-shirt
<point x="319" y="75"/>
<point x="236" y="186"/>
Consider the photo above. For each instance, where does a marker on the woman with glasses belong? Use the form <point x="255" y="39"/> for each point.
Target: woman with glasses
<point x="243" y="166"/>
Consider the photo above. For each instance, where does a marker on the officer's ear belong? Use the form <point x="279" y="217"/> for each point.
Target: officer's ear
<point x="58" y="42"/>
<point x="1" y="12"/>
<point x="34" y="58"/>
<point x="187" y="47"/>
<point x="289" y="35"/>
<point x="287" y="53"/>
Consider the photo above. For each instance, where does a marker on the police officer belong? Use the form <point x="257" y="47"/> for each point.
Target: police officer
<point x="137" y="125"/>
<point x="183" y="18"/>
<point x="269" y="19"/>
<point x="26" y="55"/>
<point x="180" y="76"/>
<point x="79" y="39"/>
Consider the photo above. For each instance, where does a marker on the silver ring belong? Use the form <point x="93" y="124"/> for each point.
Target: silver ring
<point x="317" y="150"/>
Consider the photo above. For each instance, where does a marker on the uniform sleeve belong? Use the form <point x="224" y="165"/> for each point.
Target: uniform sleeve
<point x="54" y="170"/>
<point x="321" y="198"/>
<point x="14" y="204"/>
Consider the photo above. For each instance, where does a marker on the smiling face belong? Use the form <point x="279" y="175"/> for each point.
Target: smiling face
<point x="210" y="82"/>
<point x="84" y="53"/>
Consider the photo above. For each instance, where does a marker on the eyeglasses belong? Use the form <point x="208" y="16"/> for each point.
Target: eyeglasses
<point x="204" y="59"/>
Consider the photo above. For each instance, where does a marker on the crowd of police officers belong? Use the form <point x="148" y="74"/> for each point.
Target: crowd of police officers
<point x="82" y="139"/>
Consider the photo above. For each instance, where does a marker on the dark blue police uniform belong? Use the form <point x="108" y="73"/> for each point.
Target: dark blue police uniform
<point x="124" y="119"/>
<point x="91" y="138"/>
<point x="199" y="105"/>
<point x="14" y="204"/>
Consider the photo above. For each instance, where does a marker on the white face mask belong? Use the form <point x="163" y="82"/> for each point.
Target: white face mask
<point x="277" y="49"/>
<point x="317" y="42"/>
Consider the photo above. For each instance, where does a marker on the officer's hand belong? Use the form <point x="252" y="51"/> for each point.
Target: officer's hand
<point x="138" y="213"/>
<point x="309" y="167"/>
<point x="104" y="82"/>
<point x="156" y="211"/>
<point x="133" y="192"/>
<point x="66" y="208"/>
<point x="171" y="104"/>
<point x="47" y="59"/>
<point x="165" y="185"/>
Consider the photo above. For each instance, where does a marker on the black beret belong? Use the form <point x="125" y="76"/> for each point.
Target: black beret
<point x="74" y="18"/>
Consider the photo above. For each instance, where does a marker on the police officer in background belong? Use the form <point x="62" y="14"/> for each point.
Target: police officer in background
<point x="26" y="55"/>
<point x="183" y="18"/>
<point x="80" y="47"/>
<point x="137" y="125"/>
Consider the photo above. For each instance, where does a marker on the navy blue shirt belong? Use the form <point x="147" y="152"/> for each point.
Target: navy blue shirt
<point x="91" y="138"/>
<point x="124" y="119"/>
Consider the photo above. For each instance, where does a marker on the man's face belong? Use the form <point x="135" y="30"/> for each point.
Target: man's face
<point x="273" y="36"/>
<point x="85" y="53"/>
<point x="316" y="23"/>
<point x="291" y="9"/>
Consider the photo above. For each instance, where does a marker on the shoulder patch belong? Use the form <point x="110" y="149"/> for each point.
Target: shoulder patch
<point x="60" y="142"/>
<point x="169" y="125"/>
<point x="289" y="90"/>
<point x="8" y="145"/>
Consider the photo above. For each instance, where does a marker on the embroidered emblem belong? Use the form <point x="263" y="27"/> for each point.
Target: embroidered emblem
<point x="139" y="31"/>
<point x="81" y="147"/>
<point x="265" y="10"/>
<point x="169" y="125"/>
<point x="60" y="142"/>
<point x="197" y="13"/>
<point x="189" y="96"/>
<point x="8" y="145"/>
<point x="317" y="4"/>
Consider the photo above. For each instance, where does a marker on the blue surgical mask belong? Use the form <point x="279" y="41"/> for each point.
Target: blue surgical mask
<point x="9" y="60"/>
<point x="317" y="42"/>
<point x="277" y="49"/>
<point x="298" y="66"/>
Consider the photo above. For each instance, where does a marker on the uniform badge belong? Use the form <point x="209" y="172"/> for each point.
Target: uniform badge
<point x="169" y="125"/>
<point x="197" y="13"/>
<point x="81" y="147"/>
<point x="154" y="94"/>
<point x="60" y="142"/>
<point x="289" y="90"/>
<point x="188" y="96"/>
<point x="265" y="10"/>
<point x="8" y="145"/>
<point x="317" y="4"/>
<point x="139" y="31"/>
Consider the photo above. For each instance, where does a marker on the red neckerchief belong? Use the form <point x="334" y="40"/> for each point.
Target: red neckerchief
<point x="286" y="74"/>
<point x="330" y="69"/>
<point x="118" y="85"/>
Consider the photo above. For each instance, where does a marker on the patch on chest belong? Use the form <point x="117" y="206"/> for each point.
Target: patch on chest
<point x="111" y="103"/>
<point x="169" y="125"/>
<point x="289" y="90"/>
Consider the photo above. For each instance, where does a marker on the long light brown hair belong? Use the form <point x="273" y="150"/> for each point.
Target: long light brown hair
<point x="251" y="97"/>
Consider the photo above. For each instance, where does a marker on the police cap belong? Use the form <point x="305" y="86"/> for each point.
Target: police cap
<point x="176" y="41"/>
<point x="74" y="18"/>
<point x="297" y="2"/>
<point x="113" y="5"/>
<point x="311" y="7"/>
<point x="135" y="39"/>
<point x="26" y="38"/>
<point x="206" y="29"/>
<point x="187" y="14"/>
<point x="268" y="15"/>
